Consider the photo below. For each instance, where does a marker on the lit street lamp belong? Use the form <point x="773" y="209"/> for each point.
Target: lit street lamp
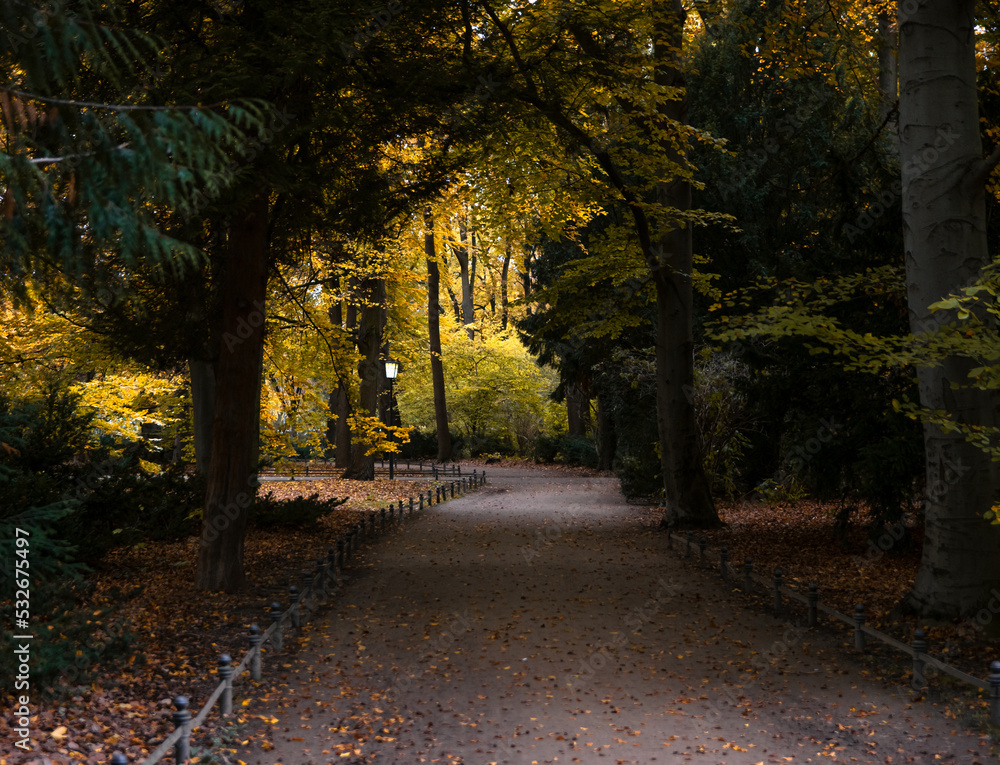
<point x="391" y="370"/>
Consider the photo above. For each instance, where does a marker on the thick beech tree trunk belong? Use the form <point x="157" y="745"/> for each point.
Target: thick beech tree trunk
<point x="232" y="479"/>
<point x="944" y="236"/>
<point x="434" y="334"/>
<point x="688" y="498"/>
<point x="369" y="340"/>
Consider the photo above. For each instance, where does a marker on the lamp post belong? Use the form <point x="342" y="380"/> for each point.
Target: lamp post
<point x="391" y="370"/>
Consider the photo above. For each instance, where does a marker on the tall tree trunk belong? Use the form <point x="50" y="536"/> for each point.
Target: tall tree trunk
<point x="944" y="237"/>
<point x="434" y="334"/>
<point x="202" y="375"/>
<point x="338" y="427"/>
<point x="462" y="256"/>
<point x="576" y="425"/>
<point x="232" y="480"/>
<point x="369" y="339"/>
<point x="607" y="441"/>
<point x="887" y="67"/>
<point x="688" y="497"/>
<point x="504" y="275"/>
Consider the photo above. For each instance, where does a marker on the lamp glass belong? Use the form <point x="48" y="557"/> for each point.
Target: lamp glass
<point x="391" y="369"/>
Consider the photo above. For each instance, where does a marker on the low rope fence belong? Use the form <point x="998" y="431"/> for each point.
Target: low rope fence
<point x="747" y="580"/>
<point x="318" y="585"/>
<point x="301" y="469"/>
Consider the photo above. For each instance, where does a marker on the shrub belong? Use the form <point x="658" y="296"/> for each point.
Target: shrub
<point x="302" y="512"/>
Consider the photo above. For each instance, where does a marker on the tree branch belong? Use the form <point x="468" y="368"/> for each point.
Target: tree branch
<point x="985" y="168"/>
<point x="109" y="107"/>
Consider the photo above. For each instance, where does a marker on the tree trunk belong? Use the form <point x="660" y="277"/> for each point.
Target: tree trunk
<point x="944" y="237"/>
<point x="369" y="340"/>
<point x="462" y="256"/>
<point x="338" y="427"/>
<point x="607" y="442"/>
<point x="504" y="273"/>
<point x="688" y="497"/>
<point x="202" y="375"/>
<point x="434" y="333"/>
<point x="887" y="68"/>
<point x="576" y="424"/>
<point x="232" y="480"/>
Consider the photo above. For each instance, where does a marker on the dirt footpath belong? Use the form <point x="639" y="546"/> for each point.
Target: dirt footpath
<point x="542" y="620"/>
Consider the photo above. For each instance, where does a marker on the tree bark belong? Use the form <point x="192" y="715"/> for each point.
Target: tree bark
<point x="576" y="424"/>
<point x="607" y="442"/>
<point x="462" y="256"/>
<point x="688" y="496"/>
<point x="504" y="275"/>
<point x="338" y="427"/>
<point x="202" y="375"/>
<point x="369" y="340"/>
<point x="944" y="237"/>
<point x="434" y="334"/>
<point x="887" y="67"/>
<point x="232" y="479"/>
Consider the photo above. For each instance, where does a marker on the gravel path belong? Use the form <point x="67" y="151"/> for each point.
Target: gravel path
<point x="542" y="620"/>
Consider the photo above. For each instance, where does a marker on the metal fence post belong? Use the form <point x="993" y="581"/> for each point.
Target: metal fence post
<point x="305" y="593"/>
<point x="411" y="505"/>
<point x="995" y="692"/>
<point x="401" y="509"/>
<point x="321" y="577"/>
<point x="724" y="563"/>
<point x="748" y="575"/>
<point x="702" y="546"/>
<point x="182" y="720"/>
<point x="813" y="601"/>
<point x="276" y="620"/>
<point x="293" y="598"/>
<point x="859" y="623"/>
<point x="226" y="673"/>
<point x="778" y="574"/>
<point x="255" y="639"/>
<point x="687" y="545"/>
<point x="382" y="519"/>
<point x="670" y="535"/>
<point x="919" y="649"/>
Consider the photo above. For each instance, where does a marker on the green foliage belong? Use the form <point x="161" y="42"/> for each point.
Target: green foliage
<point x="302" y="512"/>
<point x="127" y="505"/>
<point x="566" y="450"/>
<point x="85" y="150"/>
<point x="75" y="639"/>
<point x="723" y="418"/>
<point x="628" y="384"/>
<point x="498" y="396"/>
